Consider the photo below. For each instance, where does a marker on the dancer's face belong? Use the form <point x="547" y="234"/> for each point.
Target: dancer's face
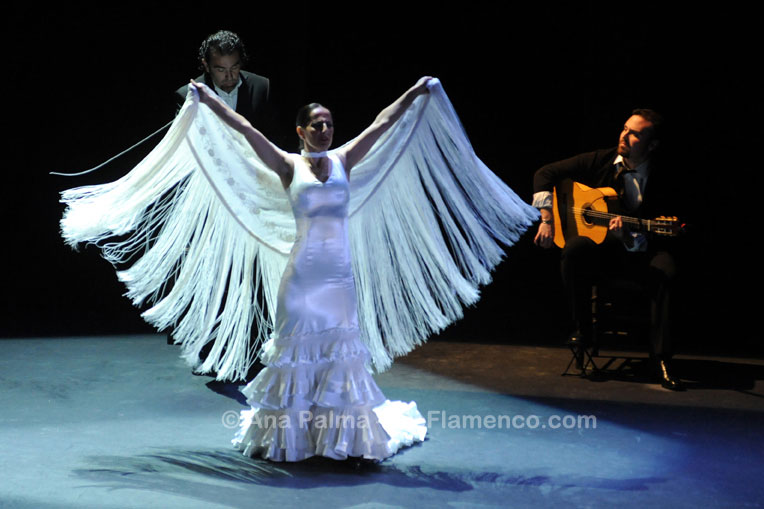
<point x="319" y="132"/>
<point x="224" y="69"/>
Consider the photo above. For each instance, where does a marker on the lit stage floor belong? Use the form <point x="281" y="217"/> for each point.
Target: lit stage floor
<point x="116" y="422"/>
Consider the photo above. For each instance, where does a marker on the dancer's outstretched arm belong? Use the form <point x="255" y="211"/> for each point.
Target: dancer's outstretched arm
<point x="358" y="148"/>
<point x="273" y="157"/>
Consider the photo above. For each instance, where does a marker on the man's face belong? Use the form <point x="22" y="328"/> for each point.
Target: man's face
<point x="224" y="69"/>
<point x="636" y="141"/>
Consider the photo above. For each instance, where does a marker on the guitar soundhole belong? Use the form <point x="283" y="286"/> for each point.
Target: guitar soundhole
<point x="585" y="216"/>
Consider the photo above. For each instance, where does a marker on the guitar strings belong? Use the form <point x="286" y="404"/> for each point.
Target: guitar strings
<point x="604" y="215"/>
<point x="657" y="225"/>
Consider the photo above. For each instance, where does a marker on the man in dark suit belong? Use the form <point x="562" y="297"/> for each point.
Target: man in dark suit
<point x="628" y="169"/>
<point x="222" y="56"/>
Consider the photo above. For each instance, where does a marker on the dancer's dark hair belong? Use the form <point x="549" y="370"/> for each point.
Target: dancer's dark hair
<point x="303" y="117"/>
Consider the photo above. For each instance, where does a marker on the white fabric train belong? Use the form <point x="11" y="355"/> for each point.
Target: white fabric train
<point x="208" y="228"/>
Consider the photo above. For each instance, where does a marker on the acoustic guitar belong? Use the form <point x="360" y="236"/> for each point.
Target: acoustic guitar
<point x="582" y="210"/>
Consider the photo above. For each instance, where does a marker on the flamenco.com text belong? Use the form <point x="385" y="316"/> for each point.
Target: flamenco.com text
<point x="434" y="419"/>
<point x="442" y="419"/>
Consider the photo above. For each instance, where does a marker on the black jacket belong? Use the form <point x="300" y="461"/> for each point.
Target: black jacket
<point x="252" y="102"/>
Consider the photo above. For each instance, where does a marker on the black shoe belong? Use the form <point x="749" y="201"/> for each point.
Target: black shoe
<point x="668" y="381"/>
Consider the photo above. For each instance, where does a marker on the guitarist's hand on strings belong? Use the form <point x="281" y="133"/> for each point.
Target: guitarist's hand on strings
<point x="545" y="235"/>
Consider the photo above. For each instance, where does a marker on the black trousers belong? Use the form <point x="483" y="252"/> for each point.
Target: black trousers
<point x="583" y="263"/>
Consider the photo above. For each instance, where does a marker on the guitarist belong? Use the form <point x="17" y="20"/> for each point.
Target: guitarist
<point x="627" y="168"/>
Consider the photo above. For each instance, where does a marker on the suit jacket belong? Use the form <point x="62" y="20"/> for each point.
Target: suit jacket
<point x="594" y="169"/>
<point x="252" y="102"/>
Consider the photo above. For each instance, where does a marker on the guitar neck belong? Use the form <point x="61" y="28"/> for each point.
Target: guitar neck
<point x="636" y="223"/>
<point x="604" y="218"/>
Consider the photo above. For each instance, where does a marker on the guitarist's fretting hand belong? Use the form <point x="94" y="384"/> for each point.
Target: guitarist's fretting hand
<point x="545" y="235"/>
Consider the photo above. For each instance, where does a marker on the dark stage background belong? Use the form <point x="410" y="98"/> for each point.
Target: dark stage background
<point x="531" y="84"/>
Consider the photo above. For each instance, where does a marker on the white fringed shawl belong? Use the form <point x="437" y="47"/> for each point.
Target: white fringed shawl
<point x="208" y="230"/>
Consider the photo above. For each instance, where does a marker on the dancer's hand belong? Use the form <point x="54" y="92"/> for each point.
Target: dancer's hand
<point x="422" y="86"/>
<point x="205" y="94"/>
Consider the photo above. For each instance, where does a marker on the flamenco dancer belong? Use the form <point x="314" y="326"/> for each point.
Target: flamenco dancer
<point x="315" y="396"/>
<point x="364" y="272"/>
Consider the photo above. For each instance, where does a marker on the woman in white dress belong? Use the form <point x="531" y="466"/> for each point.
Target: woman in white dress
<point x="315" y="396"/>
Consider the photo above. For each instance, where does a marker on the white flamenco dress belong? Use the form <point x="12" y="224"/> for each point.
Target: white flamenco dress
<point x="331" y="277"/>
<point x="316" y="396"/>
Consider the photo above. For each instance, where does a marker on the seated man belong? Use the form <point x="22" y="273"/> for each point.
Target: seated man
<point x="221" y="57"/>
<point x="628" y="169"/>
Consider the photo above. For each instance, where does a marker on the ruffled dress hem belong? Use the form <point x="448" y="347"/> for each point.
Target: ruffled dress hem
<point x="316" y="397"/>
<point x="360" y="432"/>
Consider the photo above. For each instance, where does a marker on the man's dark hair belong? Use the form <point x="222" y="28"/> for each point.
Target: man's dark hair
<point x="654" y="118"/>
<point x="224" y="43"/>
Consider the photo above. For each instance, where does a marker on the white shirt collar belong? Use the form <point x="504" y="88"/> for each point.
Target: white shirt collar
<point x="643" y="170"/>
<point x="230" y="98"/>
